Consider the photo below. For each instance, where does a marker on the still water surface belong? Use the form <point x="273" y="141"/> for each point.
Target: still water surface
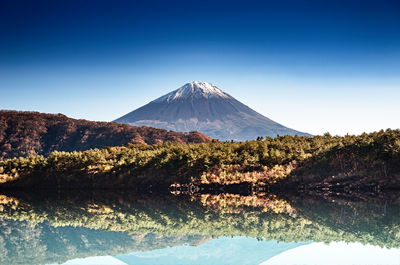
<point x="248" y="251"/>
<point x="122" y="228"/>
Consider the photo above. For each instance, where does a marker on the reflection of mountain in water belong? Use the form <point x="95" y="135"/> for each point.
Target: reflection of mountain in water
<point x="23" y="242"/>
<point x="224" y="250"/>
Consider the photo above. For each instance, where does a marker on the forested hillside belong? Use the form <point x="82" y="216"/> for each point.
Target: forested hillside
<point x="33" y="133"/>
<point x="359" y="160"/>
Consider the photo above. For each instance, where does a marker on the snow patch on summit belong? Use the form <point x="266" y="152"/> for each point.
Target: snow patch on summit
<point x="194" y="90"/>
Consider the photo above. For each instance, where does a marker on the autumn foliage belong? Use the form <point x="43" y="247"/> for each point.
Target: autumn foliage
<point x="364" y="160"/>
<point x="34" y="133"/>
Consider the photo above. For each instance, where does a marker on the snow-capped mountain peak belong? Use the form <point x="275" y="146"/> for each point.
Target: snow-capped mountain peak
<point x="194" y="90"/>
<point x="201" y="106"/>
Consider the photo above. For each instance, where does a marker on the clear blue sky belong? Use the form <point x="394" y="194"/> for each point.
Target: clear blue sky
<point x="315" y="66"/>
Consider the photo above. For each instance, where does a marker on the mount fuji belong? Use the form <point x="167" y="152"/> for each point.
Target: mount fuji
<point x="203" y="107"/>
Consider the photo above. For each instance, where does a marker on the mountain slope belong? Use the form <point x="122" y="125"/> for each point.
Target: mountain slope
<point x="24" y="133"/>
<point x="204" y="107"/>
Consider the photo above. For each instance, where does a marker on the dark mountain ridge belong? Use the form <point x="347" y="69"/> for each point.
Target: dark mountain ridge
<point x="204" y="107"/>
<point x="26" y="133"/>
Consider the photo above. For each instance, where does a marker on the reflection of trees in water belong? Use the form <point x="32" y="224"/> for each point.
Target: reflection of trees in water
<point x="374" y="221"/>
<point x="370" y="221"/>
<point x="236" y="203"/>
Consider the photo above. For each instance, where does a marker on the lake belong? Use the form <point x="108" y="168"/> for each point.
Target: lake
<point x="118" y="227"/>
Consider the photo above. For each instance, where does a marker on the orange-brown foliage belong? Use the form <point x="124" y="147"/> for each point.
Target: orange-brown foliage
<point x="31" y="133"/>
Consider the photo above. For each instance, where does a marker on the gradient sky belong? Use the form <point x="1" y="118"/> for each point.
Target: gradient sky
<point x="314" y="66"/>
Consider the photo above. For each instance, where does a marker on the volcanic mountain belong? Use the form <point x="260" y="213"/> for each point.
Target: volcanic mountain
<point x="201" y="106"/>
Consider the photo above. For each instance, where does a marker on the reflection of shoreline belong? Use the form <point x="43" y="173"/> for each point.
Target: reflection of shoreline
<point x="260" y="215"/>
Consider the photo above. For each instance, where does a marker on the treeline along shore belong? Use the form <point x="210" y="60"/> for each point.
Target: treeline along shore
<point x="369" y="162"/>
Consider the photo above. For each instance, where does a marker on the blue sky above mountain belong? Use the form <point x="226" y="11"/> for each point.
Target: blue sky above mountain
<point x="312" y="65"/>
